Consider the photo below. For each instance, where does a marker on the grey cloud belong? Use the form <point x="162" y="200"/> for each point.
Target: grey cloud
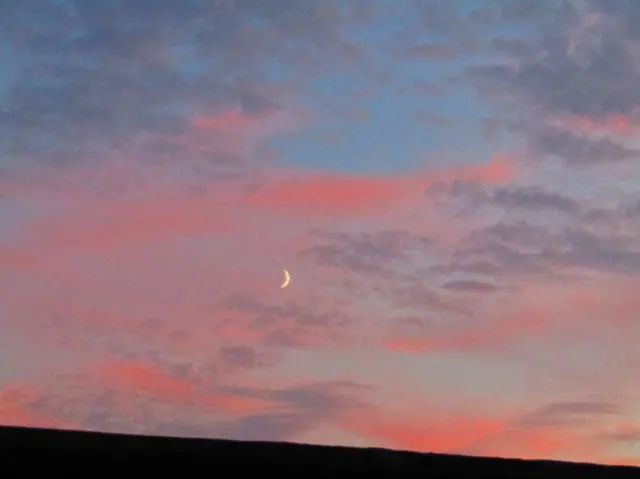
<point x="577" y="149"/>
<point x="565" y="68"/>
<point x="447" y="20"/>
<point x="629" y="209"/>
<point x="90" y="75"/>
<point x="377" y="255"/>
<point x="332" y="255"/>
<point x="440" y="17"/>
<point x="568" y="413"/>
<point x="517" y="248"/>
<point x="433" y="119"/>
<point x="533" y="197"/>
<point x="467" y="285"/>
<point x="500" y="260"/>
<point x="415" y="294"/>
<point x="625" y="12"/>
<point x="526" y="10"/>
<point x="517" y="47"/>
<point x="522" y="197"/>
<point x="295" y="409"/>
<point x="613" y="253"/>
<point x="228" y="361"/>
<point x="240" y="357"/>
<point x="300" y="410"/>
<point x="580" y="407"/>
<point x="368" y="253"/>
<point x="291" y="325"/>
<point x="462" y="190"/>
<point x="557" y="82"/>
<point x="430" y="51"/>
<point x="631" y="435"/>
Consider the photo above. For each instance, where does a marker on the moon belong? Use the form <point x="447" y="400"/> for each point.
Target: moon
<point x="287" y="279"/>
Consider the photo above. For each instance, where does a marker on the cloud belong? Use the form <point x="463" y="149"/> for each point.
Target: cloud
<point x="429" y="52"/>
<point x="89" y="77"/>
<point x="491" y="335"/>
<point x="301" y="410"/>
<point x="626" y="433"/>
<point x="520" y="247"/>
<point x="487" y="432"/>
<point x="523" y="197"/>
<point x="574" y="311"/>
<point x="468" y="433"/>
<point x="146" y="398"/>
<point x="531" y="197"/>
<point x="587" y="74"/>
<point x="149" y="212"/>
<point x="470" y="286"/>
<point x="616" y="126"/>
<point x="147" y="380"/>
<point x="292" y="325"/>
<point x="606" y="64"/>
<point x="579" y="150"/>
<point x="160" y="167"/>
<point x="15" y="410"/>
<point x="113" y="224"/>
<point x="336" y="195"/>
<point x="240" y="357"/>
<point x="445" y="436"/>
<point x="577" y="412"/>
<point x="237" y="135"/>
<point x="367" y="253"/>
<point x="177" y="201"/>
<point x="143" y="397"/>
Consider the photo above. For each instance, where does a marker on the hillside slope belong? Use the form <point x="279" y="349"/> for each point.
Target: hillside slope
<point x="91" y="454"/>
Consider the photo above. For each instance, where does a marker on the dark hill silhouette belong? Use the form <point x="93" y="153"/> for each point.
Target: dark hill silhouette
<point x="92" y="454"/>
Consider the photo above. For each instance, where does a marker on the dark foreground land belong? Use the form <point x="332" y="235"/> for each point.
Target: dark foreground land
<point x="90" y="455"/>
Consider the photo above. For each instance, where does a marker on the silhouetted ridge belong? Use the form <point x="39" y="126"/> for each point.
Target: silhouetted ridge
<point x="93" y="454"/>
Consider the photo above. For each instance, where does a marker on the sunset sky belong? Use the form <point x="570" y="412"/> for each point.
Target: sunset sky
<point x="453" y="185"/>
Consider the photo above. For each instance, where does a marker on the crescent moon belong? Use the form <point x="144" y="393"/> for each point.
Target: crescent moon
<point x="287" y="279"/>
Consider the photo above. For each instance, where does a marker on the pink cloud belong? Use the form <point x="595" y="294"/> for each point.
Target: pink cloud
<point x="537" y="310"/>
<point x="431" y="428"/>
<point x="238" y="133"/>
<point x="14" y="410"/>
<point x="488" y="336"/>
<point x="620" y="127"/>
<point x="339" y="195"/>
<point x="93" y="223"/>
<point x="145" y="379"/>
<point x="444" y="436"/>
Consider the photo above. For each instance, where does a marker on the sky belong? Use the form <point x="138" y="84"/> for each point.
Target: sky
<point x="453" y="186"/>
